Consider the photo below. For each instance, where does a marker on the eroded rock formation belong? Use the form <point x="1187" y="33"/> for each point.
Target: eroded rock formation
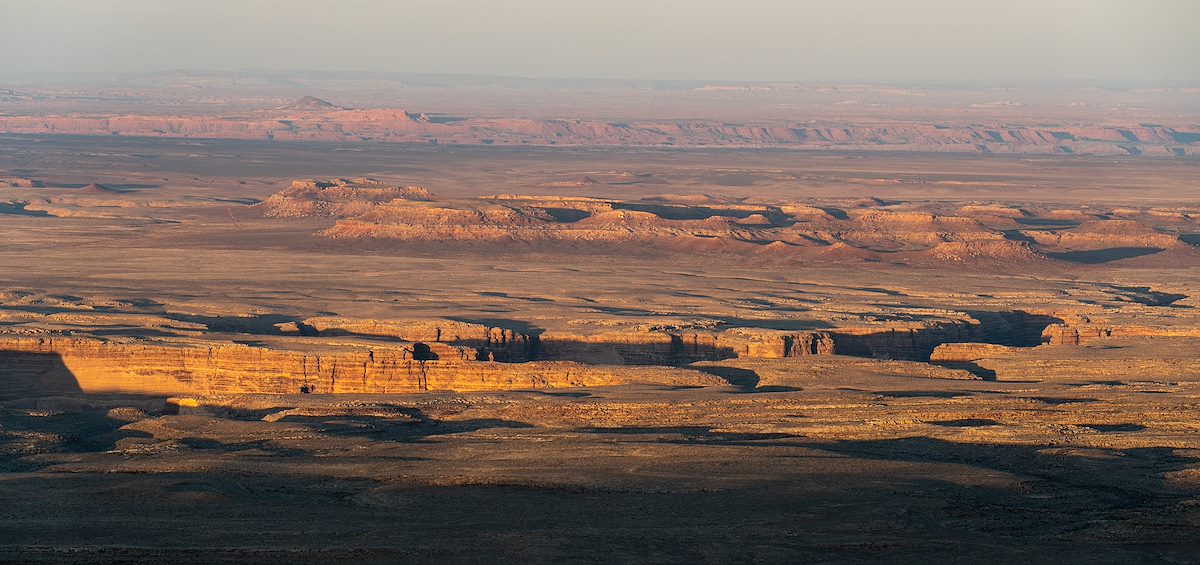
<point x="1083" y="330"/>
<point x="906" y="233"/>
<point x="639" y="346"/>
<point x="968" y="352"/>
<point x="454" y="339"/>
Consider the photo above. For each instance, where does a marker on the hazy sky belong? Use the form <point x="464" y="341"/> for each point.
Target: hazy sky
<point x="785" y="40"/>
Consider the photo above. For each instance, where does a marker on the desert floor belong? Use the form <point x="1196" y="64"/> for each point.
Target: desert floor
<point x="1046" y="453"/>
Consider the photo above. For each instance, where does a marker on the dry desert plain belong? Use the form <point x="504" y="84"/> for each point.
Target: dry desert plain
<point x="231" y="350"/>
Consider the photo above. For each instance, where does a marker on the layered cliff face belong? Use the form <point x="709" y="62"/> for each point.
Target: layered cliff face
<point x="637" y="346"/>
<point x="950" y="353"/>
<point x="42" y="347"/>
<point x="928" y="341"/>
<point x="630" y="345"/>
<point x="448" y="338"/>
<point x="877" y="231"/>
<point x="1084" y="331"/>
<point x="633" y="344"/>
<point x="464" y="359"/>
<point x="40" y="366"/>
<point x="320" y="122"/>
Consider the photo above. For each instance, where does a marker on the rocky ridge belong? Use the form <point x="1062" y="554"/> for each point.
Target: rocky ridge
<point x="313" y="119"/>
<point x="918" y="233"/>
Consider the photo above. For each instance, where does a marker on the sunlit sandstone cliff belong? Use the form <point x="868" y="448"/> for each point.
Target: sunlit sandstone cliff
<point x="52" y="352"/>
<point x="49" y="365"/>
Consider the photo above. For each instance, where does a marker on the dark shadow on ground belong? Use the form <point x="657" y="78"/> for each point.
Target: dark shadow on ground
<point x="566" y="394"/>
<point x="1110" y="428"/>
<point x="746" y="380"/>
<point x="670" y="212"/>
<point x="776" y="324"/>
<point x="1100" y="256"/>
<point x="966" y="423"/>
<point x="1057" y="400"/>
<point x="416" y="426"/>
<point x="970" y="367"/>
<point x="43" y="409"/>
<point x="1016" y="328"/>
<point x="781" y="498"/>
<point x="18" y="209"/>
<point x="693" y="435"/>
<point x="502" y="323"/>
<point x="1047" y="223"/>
<point x="741" y="378"/>
<point x="1146" y="295"/>
<point x="263" y="324"/>
<point x="81" y="430"/>
<point x="1126" y="478"/>
<point x="26" y="374"/>
<point x="917" y="393"/>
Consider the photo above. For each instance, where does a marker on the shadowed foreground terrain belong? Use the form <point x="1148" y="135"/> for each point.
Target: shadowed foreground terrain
<point x="221" y="351"/>
<point x="844" y="462"/>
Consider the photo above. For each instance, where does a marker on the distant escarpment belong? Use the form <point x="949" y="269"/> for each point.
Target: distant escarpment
<point x="829" y="231"/>
<point x="310" y="104"/>
<point x="313" y="119"/>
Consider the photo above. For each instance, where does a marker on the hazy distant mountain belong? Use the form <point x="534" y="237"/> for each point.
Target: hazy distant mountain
<point x="310" y="104"/>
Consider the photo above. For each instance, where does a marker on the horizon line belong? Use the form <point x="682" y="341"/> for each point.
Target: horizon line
<point x="997" y="82"/>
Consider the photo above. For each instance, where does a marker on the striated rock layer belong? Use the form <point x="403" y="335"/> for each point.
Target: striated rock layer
<point x="40" y="366"/>
<point x="1085" y="332"/>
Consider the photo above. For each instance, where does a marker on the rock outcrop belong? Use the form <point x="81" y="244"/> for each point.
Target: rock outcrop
<point x="630" y="345"/>
<point x="633" y="344"/>
<point x="336" y="197"/>
<point x="457" y="340"/>
<point x="640" y="346"/>
<point x="969" y="352"/>
<point x="1085" y="331"/>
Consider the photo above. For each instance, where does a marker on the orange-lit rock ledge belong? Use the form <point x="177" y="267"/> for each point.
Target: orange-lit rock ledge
<point x="63" y="365"/>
